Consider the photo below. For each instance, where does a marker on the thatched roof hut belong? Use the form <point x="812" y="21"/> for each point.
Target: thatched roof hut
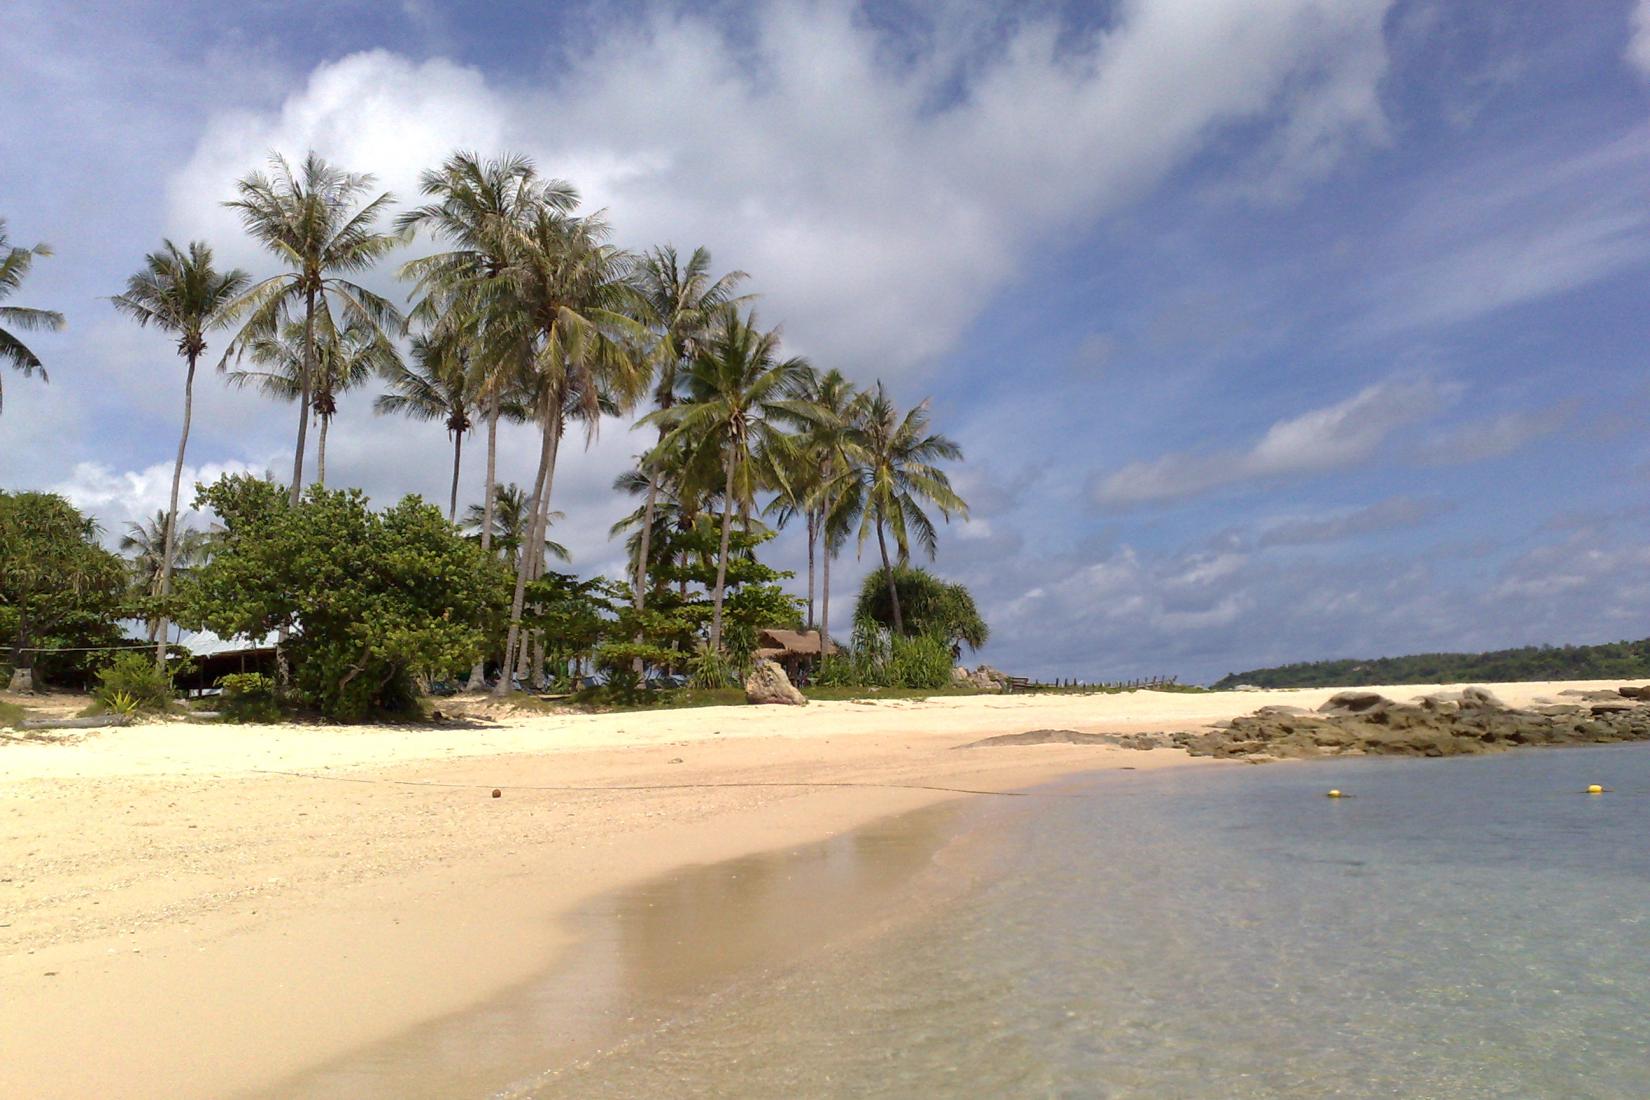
<point x="792" y="649"/>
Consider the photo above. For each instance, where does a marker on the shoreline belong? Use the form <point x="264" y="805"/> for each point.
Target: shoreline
<point x="181" y="920"/>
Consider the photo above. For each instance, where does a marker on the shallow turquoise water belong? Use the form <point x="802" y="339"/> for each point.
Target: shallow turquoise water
<point x="1472" y="927"/>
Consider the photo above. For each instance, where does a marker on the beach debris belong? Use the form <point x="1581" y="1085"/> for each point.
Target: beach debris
<point x="497" y="793"/>
<point x="1335" y="793"/>
<point x="1472" y="720"/>
<point x="89" y="722"/>
<point x="1595" y="789"/>
<point x="768" y="684"/>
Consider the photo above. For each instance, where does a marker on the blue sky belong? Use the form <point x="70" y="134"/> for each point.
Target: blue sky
<point x="1272" y="331"/>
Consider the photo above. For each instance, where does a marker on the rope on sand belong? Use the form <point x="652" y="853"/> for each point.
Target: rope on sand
<point x="631" y="786"/>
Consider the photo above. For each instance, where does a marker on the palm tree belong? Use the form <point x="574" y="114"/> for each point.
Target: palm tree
<point x="739" y="396"/>
<point x="310" y="220"/>
<point x="153" y="564"/>
<point x="336" y="362"/>
<point x="512" y="510"/>
<point x="569" y="300"/>
<point x="15" y="263"/>
<point x="680" y="302"/>
<point x="482" y="208"/>
<point x="828" y="441"/>
<point x="893" y="473"/>
<point x="181" y="293"/>
<point x="436" y="386"/>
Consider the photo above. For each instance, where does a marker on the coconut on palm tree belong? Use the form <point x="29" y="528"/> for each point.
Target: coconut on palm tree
<point x="893" y="473"/>
<point x="738" y="398"/>
<point x="315" y="221"/>
<point x="181" y="293"/>
<point x="15" y="263"/>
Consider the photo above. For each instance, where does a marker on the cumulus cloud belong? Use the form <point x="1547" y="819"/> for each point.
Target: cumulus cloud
<point x="807" y="142"/>
<point x="116" y="498"/>
<point x="1331" y="438"/>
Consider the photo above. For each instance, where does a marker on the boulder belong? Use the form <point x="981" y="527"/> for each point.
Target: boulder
<point x="1354" y="702"/>
<point x="769" y="684"/>
<point x="22" y="681"/>
<point x="1629" y="692"/>
<point x="959" y="675"/>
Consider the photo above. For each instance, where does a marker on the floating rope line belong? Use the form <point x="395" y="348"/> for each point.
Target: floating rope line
<point x="632" y="786"/>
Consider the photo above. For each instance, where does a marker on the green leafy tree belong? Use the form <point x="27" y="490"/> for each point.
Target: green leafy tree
<point x="59" y="589"/>
<point x="15" y="263"/>
<point x="371" y="601"/>
<point x="931" y="607"/>
<point x="313" y="219"/>
<point x="185" y="295"/>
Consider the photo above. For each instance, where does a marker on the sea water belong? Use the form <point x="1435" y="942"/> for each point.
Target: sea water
<point x="1470" y="927"/>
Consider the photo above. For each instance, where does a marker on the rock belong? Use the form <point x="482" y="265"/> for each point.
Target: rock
<point x="1353" y="702"/>
<point x="986" y="678"/>
<point x="769" y="684"/>
<point x="1074" y="737"/>
<point x="1629" y="692"/>
<point x="959" y="675"/>
<point x="1479" y="698"/>
<point x="22" y="681"/>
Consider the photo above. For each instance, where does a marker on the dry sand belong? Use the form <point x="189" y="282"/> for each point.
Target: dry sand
<point x="194" y="910"/>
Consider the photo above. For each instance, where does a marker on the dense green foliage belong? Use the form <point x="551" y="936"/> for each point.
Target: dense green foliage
<point x="132" y="682"/>
<point x="930" y="606"/>
<point x="60" y="592"/>
<point x="1612" y="660"/>
<point x="372" y="601"/>
<point x="248" y="697"/>
<point x="880" y="658"/>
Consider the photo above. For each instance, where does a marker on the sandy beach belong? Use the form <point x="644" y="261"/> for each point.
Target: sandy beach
<point x="191" y="910"/>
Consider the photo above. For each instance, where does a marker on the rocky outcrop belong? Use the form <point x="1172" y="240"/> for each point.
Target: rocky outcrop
<point x="769" y="684"/>
<point x="984" y="678"/>
<point x="1442" y="724"/>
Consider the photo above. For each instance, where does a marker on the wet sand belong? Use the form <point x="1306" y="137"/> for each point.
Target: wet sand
<point x="199" y="911"/>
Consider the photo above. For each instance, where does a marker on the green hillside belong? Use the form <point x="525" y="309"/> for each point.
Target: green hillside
<point x="1610" y="661"/>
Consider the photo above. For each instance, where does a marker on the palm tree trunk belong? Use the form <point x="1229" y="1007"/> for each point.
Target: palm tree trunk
<point x="169" y="547"/>
<point x="478" y="672"/>
<point x="813" y="536"/>
<point x="321" y="453"/>
<point x="722" y="558"/>
<point x="547" y="459"/>
<point x="303" y="398"/>
<point x="888" y="571"/>
<point x="458" y="454"/>
<point x="825" y="609"/>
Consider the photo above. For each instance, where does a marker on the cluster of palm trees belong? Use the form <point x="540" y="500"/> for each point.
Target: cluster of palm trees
<point x="529" y="313"/>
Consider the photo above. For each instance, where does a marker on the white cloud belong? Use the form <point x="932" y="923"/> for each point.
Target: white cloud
<point x="877" y="204"/>
<point x="1638" y="42"/>
<point x="118" y="497"/>
<point x="1495" y="436"/>
<point x="1315" y="442"/>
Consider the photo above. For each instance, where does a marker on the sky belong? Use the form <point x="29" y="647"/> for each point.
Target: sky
<point x="1271" y="330"/>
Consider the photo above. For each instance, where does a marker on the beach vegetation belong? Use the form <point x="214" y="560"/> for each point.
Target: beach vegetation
<point x="248" y="697"/>
<point x="1625" y="660"/>
<point x="131" y="682"/>
<point x="15" y="264"/>
<point x="931" y="607"/>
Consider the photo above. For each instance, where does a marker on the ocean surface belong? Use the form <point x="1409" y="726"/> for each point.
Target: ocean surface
<point x="1470" y="927"/>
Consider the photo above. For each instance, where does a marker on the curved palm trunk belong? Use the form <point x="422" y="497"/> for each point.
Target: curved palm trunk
<point x="722" y="559"/>
<point x="478" y="672"/>
<point x="547" y="461"/>
<point x="888" y="571"/>
<point x="169" y="547"/>
<point x="458" y="455"/>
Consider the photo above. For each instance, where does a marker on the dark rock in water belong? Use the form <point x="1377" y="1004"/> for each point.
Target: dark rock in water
<point x="1442" y="724"/>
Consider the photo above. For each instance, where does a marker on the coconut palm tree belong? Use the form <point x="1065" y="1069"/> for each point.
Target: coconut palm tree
<point x="680" y="303"/>
<point x="336" y="361"/>
<point x="738" y="398"/>
<point x="828" y="441"/>
<point x="482" y="208"/>
<point x="892" y="474"/>
<point x="15" y="263"/>
<point x="183" y="294"/>
<point x="570" y="300"/>
<point x="158" y="550"/>
<point x="437" y="385"/>
<point x="314" y="220"/>
<point x="512" y="510"/>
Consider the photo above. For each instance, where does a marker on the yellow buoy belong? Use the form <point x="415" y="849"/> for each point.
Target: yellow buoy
<point x="1334" y="794"/>
<point x="1595" y="789"/>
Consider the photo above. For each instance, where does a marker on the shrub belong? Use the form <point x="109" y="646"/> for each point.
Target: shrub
<point x="710" y="669"/>
<point x="921" y="662"/>
<point x="133" y="682"/>
<point x="249" y="697"/>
